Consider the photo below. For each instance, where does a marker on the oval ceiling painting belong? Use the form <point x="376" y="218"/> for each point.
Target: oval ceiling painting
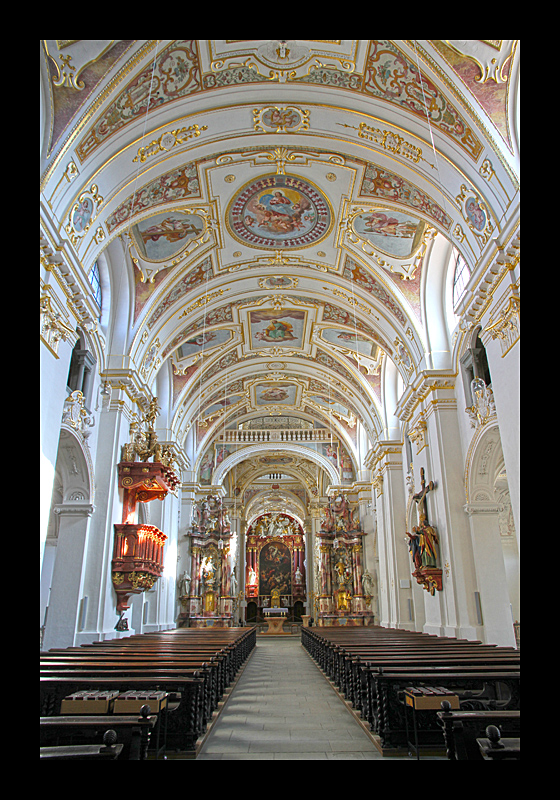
<point x="279" y="212"/>
<point x="164" y="235"/>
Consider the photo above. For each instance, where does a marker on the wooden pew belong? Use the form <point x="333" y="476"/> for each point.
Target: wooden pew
<point x="133" y="732"/>
<point x="213" y="680"/>
<point x="374" y="666"/>
<point x="109" y="750"/>
<point x="462" y="728"/>
<point x="184" y="723"/>
<point x="194" y="665"/>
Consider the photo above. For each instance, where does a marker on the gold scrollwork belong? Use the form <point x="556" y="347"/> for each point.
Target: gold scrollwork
<point x="83" y="213"/>
<point x="475" y="213"/>
<point x="167" y="141"/>
<point x="390" y="141"/>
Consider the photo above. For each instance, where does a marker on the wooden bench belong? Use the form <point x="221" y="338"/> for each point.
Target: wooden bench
<point x="109" y="750"/>
<point x="133" y="732"/>
<point x="184" y="723"/>
<point x="194" y="667"/>
<point x="213" y="681"/>
<point x="372" y="667"/>
<point x="462" y="728"/>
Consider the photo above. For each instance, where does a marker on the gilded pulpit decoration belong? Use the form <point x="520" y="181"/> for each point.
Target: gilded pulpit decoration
<point x="423" y="543"/>
<point x="342" y="598"/>
<point x="208" y="594"/>
<point x="138" y="547"/>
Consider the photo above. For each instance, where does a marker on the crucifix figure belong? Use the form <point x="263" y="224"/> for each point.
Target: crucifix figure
<point x="420" y="497"/>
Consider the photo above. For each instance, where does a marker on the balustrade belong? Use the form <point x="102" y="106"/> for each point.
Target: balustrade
<point x="275" y="435"/>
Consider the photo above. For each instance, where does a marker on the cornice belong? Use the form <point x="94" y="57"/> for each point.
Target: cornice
<point x="424" y="383"/>
<point x="503" y="257"/>
<point x="57" y="259"/>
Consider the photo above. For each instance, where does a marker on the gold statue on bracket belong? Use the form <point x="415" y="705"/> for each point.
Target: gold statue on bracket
<point x="145" y="444"/>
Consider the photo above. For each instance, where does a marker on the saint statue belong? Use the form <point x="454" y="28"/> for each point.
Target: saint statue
<point x="184" y="584"/>
<point x="422" y="544"/>
<point x="367" y="583"/>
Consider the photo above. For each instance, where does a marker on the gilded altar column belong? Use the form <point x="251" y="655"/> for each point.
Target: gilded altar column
<point x="312" y="526"/>
<point x="195" y="572"/>
<point x="325" y="596"/>
<point x="357" y="568"/>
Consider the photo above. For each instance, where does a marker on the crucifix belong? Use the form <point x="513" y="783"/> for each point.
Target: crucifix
<point x="420" y="497"/>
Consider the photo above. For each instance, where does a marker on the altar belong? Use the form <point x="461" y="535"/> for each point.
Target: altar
<point x="275" y="618"/>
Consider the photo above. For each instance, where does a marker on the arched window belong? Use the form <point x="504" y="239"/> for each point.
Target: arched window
<point x="460" y="279"/>
<point x="93" y="277"/>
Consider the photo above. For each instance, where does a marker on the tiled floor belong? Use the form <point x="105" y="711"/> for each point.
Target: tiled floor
<point x="283" y="708"/>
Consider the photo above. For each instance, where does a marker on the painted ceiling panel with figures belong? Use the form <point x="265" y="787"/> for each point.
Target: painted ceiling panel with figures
<point x="272" y="214"/>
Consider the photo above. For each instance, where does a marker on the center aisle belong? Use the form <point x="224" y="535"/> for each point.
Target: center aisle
<point x="282" y="708"/>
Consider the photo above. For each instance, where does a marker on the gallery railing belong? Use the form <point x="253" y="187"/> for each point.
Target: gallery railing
<point x="275" y="435"/>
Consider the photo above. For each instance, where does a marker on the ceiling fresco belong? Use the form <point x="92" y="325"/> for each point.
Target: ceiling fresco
<point x="273" y="216"/>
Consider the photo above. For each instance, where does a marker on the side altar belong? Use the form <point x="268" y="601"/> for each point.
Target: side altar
<point x="344" y="591"/>
<point x="207" y="595"/>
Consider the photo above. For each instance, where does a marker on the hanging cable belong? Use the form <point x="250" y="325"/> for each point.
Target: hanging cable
<point x="201" y="355"/>
<point x="107" y="386"/>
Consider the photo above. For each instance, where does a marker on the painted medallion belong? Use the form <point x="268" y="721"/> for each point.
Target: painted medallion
<point x="279" y="212"/>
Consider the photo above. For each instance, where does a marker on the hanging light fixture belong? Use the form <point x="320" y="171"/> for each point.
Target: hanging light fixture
<point x="104" y="397"/>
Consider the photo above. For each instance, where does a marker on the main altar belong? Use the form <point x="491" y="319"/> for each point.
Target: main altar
<point x="342" y="598"/>
<point x="275" y="618"/>
<point x="275" y="567"/>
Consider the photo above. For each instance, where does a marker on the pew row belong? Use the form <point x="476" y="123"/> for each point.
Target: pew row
<point x="191" y="667"/>
<point x="373" y="667"/>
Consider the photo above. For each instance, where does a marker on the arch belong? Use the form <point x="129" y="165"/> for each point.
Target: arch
<point x="71" y="508"/>
<point x="255" y="506"/>
<point x="249" y="452"/>
<point x="483" y="464"/>
<point x="74" y="468"/>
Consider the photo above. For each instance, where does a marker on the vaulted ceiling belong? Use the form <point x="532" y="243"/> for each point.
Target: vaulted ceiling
<point x="273" y="221"/>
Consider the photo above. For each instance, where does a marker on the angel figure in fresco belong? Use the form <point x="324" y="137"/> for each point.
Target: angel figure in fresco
<point x="277" y="331"/>
<point x="201" y="338"/>
<point x="207" y="467"/>
<point x="172" y="229"/>
<point x="389" y="226"/>
<point x="279" y="214"/>
<point x="82" y="215"/>
<point x="275" y="394"/>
